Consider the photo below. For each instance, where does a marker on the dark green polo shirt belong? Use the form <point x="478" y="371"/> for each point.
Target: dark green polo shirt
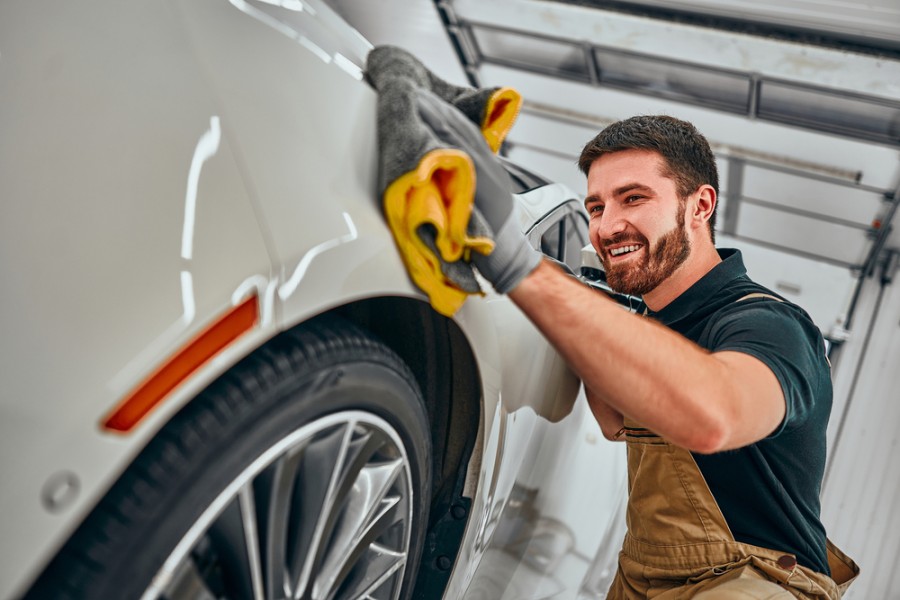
<point x="768" y="491"/>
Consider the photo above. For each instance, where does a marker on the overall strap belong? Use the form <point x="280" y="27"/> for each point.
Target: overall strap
<point x="759" y="295"/>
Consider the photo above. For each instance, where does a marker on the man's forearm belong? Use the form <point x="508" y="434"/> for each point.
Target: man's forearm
<point x="640" y="368"/>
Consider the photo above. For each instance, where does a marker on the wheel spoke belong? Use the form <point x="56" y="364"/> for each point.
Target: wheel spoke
<point x="367" y="513"/>
<point x="274" y="489"/>
<point x="251" y="539"/>
<point x="381" y="565"/>
<point x="188" y="584"/>
<point x="225" y="559"/>
<point x="324" y="456"/>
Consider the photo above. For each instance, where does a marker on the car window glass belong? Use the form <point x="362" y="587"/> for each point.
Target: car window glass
<point x="564" y="239"/>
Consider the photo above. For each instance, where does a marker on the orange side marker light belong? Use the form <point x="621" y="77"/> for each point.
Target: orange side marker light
<point x="215" y="338"/>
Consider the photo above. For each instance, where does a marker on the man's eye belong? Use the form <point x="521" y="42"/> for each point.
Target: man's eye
<point x="633" y="198"/>
<point x="597" y="208"/>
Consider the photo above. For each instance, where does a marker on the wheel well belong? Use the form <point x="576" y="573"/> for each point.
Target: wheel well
<point x="439" y="356"/>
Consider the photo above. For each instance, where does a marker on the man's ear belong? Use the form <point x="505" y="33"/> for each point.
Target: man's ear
<point x="704" y="206"/>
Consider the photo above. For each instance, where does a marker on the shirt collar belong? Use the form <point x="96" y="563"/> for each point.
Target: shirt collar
<point x="731" y="267"/>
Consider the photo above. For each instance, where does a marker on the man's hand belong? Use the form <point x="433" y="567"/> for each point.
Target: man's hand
<point x="513" y="257"/>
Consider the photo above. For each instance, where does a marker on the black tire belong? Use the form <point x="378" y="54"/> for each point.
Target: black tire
<point x="265" y="440"/>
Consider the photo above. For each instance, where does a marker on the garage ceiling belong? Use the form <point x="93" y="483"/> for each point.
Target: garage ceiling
<point x="870" y="26"/>
<point x="825" y="89"/>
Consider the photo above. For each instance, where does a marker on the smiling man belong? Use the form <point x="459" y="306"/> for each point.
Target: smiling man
<point x="723" y="394"/>
<point x="721" y="391"/>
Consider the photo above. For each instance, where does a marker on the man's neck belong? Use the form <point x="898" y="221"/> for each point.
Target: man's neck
<point x="699" y="263"/>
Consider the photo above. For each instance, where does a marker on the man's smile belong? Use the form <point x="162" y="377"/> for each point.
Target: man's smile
<point x="622" y="251"/>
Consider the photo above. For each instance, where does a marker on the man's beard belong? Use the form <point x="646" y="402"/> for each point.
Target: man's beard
<point x="637" y="278"/>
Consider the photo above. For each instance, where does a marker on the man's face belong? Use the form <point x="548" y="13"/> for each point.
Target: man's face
<point x="637" y="220"/>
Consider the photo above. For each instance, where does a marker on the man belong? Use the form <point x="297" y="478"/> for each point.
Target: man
<point x="722" y="395"/>
<point x="737" y="369"/>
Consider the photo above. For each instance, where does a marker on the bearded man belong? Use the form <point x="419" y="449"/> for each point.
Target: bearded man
<point x="721" y="390"/>
<point x="724" y="409"/>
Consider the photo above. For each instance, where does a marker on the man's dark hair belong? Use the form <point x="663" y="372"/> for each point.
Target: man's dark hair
<point x="688" y="159"/>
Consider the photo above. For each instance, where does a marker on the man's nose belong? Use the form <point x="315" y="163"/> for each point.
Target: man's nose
<point x="610" y="223"/>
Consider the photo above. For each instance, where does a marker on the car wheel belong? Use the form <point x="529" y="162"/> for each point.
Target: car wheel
<point x="303" y="473"/>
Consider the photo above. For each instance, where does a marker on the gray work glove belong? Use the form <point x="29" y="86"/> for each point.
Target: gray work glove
<point x="513" y="257"/>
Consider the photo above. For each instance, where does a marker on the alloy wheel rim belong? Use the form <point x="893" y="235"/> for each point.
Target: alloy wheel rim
<point x="324" y="513"/>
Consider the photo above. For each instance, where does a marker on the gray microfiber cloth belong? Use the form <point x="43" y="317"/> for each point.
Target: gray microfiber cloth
<point x="406" y="148"/>
<point x="402" y="137"/>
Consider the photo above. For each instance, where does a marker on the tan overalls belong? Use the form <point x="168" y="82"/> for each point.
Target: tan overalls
<point x="679" y="546"/>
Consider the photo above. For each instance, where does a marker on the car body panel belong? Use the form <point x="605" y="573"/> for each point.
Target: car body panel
<point x="126" y="229"/>
<point x="158" y="163"/>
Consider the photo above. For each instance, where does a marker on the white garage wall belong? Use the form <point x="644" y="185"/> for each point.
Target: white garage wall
<point x="862" y="490"/>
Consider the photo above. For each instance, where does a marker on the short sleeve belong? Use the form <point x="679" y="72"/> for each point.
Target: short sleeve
<point x="786" y="340"/>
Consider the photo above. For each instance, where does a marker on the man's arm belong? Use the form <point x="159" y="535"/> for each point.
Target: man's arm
<point x="611" y="421"/>
<point x="705" y="402"/>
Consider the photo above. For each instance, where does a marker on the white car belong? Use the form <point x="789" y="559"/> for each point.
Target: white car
<point x="217" y="378"/>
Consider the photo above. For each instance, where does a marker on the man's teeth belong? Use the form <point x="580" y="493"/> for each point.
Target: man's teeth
<point x="623" y="250"/>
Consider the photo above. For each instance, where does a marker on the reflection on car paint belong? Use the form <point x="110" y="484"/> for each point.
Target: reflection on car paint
<point x="282" y="28"/>
<point x="207" y="147"/>
<point x="189" y="305"/>
<point x="525" y="550"/>
<point x="290" y="286"/>
<point x="264" y="288"/>
<point x="294" y="5"/>
<point x="339" y="59"/>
